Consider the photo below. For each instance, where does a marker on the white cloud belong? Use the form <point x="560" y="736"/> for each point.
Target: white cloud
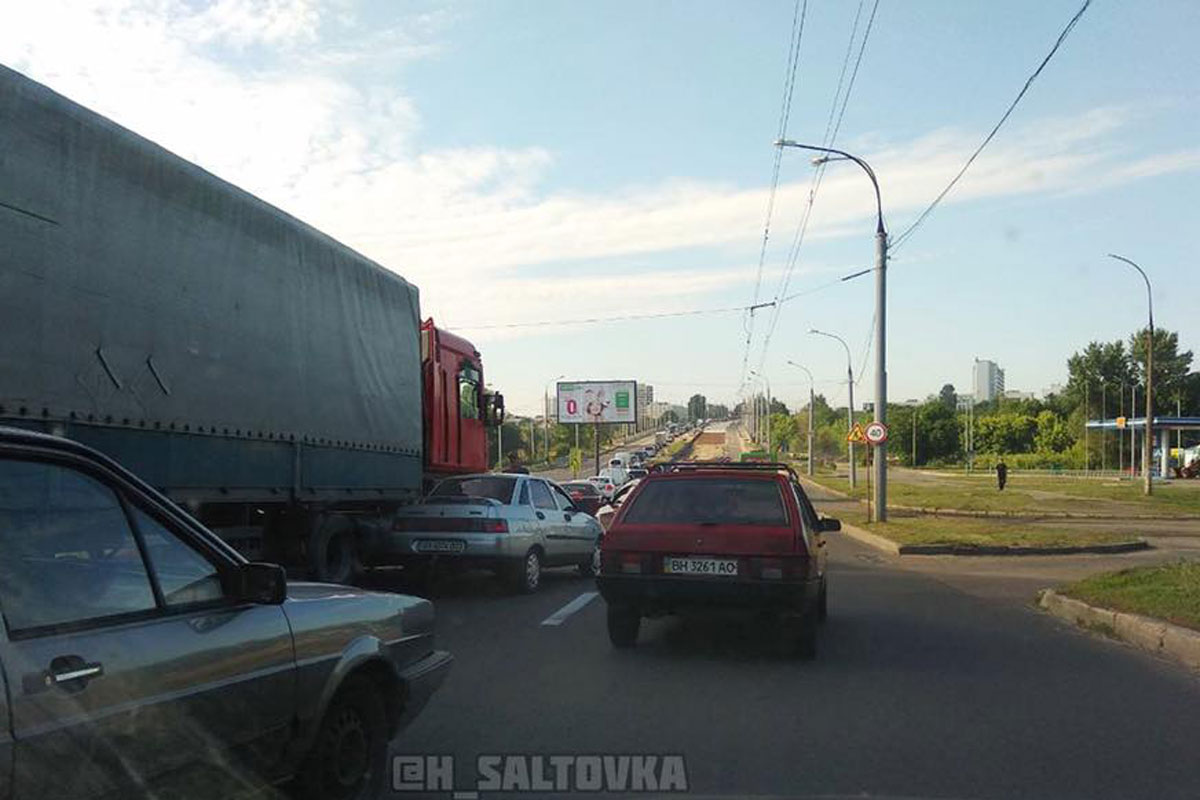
<point x="262" y="92"/>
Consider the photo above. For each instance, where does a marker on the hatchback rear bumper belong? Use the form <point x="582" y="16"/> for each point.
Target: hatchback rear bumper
<point x="652" y="594"/>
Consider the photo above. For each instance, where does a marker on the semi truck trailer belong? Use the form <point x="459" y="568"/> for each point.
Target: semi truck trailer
<point x="273" y="382"/>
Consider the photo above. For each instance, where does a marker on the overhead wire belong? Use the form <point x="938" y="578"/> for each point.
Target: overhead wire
<point x="903" y="237"/>
<point x="799" y="14"/>
<point x="832" y="128"/>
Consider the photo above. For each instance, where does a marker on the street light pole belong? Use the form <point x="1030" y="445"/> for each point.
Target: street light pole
<point x="1147" y="452"/>
<point x="812" y="407"/>
<point x="881" y="256"/>
<point x="546" y="413"/>
<point x="768" y="383"/>
<point x="850" y="410"/>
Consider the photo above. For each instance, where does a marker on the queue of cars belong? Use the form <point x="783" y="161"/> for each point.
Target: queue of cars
<point x="106" y="587"/>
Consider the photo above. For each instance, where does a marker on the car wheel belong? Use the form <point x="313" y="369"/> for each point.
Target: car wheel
<point x="527" y="574"/>
<point x="333" y="550"/>
<point x="822" y="602"/>
<point x="623" y="625"/>
<point x="805" y="636"/>
<point x="349" y="758"/>
<point x="591" y="567"/>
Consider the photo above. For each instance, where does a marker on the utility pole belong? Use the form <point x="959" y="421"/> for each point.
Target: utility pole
<point x="1148" y="443"/>
<point x="850" y="410"/>
<point x="914" y="433"/>
<point x="812" y="407"/>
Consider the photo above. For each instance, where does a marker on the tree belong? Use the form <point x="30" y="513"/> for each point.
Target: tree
<point x="1102" y="367"/>
<point x="937" y="432"/>
<point x="948" y="396"/>
<point x="777" y="407"/>
<point x="1053" y="435"/>
<point x="1170" y="366"/>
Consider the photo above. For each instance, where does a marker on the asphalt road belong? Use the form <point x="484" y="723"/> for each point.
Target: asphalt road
<point x="924" y="687"/>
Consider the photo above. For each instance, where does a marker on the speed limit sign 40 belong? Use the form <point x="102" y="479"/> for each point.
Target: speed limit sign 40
<point x="876" y="432"/>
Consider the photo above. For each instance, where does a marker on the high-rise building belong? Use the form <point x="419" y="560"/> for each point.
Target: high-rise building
<point x="988" y="381"/>
<point x="645" y="398"/>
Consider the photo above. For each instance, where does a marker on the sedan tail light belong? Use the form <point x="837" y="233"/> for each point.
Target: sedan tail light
<point x="631" y="563"/>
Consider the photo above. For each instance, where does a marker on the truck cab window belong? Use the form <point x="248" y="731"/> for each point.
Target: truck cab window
<point x="468" y="391"/>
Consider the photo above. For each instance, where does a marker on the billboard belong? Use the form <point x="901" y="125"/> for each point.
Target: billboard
<point x="597" y="401"/>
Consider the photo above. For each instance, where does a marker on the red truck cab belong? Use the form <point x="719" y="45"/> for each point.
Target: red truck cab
<point x="457" y="409"/>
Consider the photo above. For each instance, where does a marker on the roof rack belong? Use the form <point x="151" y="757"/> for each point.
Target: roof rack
<point x="731" y="466"/>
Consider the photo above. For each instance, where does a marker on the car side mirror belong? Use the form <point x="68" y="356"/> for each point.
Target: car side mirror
<point x="262" y="583"/>
<point x="829" y="525"/>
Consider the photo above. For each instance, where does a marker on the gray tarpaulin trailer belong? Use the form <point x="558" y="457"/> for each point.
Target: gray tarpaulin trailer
<point x="263" y="375"/>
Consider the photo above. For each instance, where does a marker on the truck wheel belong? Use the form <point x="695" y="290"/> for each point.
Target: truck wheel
<point x="526" y="575"/>
<point x="623" y="625"/>
<point x="591" y="567"/>
<point x="333" y="550"/>
<point x="349" y="757"/>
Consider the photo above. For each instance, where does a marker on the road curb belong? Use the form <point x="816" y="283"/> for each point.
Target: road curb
<point x="871" y="539"/>
<point x="1147" y="633"/>
<point x="897" y="549"/>
<point x="1019" y="550"/>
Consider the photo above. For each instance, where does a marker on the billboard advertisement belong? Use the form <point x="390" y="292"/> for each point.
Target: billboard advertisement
<point x="597" y="401"/>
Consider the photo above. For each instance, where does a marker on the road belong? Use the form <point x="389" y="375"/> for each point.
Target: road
<point x="931" y="682"/>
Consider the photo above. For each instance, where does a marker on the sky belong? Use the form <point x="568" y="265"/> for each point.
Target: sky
<point x="548" y="162"/>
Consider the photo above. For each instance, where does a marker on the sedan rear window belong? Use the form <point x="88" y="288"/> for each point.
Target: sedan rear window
<point x="583" y="488"/>
<point x="497" y="488"/>
<point x="725" y="501"/>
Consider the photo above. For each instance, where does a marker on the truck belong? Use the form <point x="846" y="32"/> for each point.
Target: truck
<point x="274" y="383"/>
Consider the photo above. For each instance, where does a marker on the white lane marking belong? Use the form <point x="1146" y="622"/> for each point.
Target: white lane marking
<point x="560" y="616"/>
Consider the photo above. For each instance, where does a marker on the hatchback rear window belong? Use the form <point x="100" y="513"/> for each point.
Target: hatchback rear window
<point x="485" y="486"/>
<point x="725" y="501"/>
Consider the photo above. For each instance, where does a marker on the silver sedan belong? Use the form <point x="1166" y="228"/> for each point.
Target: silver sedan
<point x="515" y="525"/>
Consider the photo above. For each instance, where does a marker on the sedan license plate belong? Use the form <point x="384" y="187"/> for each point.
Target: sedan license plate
<point x="721" y="567"/>
<point x="439" y="545"/>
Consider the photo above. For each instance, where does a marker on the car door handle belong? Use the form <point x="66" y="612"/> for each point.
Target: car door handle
<point x="86" y="671"/>
<point x="540" y="515"/>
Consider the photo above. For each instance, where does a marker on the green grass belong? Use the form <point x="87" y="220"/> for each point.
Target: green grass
<point x="1029" y="494"/>
<point x="1169" y="591"/>
<point x="966" y="531"/>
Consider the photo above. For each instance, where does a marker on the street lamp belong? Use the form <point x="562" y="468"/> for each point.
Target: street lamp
<point x="881" y="247"/>
<point x="546" y="413"/>
<point x="812" y="407"/>
<point x="1147" y="446"/>
<point x="768" y="383"/>
<point x="850" y="410"/>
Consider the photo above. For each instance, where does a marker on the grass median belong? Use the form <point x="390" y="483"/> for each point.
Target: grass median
<point x="1027" y="494"/>
<point x="1169" y="591"/>
<point x="995" y="532"/>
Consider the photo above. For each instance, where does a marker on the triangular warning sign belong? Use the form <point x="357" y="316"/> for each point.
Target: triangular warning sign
<point x="857" y="435"/>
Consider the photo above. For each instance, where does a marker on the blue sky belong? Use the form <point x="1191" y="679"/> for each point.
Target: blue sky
<point x="540" y="161"/>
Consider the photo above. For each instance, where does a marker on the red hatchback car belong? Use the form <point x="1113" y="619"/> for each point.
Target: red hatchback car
<point x="717" y="535"/>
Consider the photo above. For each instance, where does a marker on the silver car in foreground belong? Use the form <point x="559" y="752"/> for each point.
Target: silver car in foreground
<point x="142" y="656"/>
<point x="514" y="525"/>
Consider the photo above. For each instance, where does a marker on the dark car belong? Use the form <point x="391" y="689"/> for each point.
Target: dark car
<point x="586" y="495"/>
<point x="139" y="649"/>
<point x="638" y="472"/>
<point x="704" y="535"/>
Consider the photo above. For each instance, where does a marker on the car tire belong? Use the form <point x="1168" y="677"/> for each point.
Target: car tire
<point x="526" y="574"/>
<point x="804" y="642"/>
<point x="348" y="760"/>
<point x="823" y="602"/>
<point x="333" y="555"/>
<point x="591" y="567"/>
<point x="623" y="625"/>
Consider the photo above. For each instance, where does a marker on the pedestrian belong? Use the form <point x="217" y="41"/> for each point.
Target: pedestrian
<point x="1001" y="473"/>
